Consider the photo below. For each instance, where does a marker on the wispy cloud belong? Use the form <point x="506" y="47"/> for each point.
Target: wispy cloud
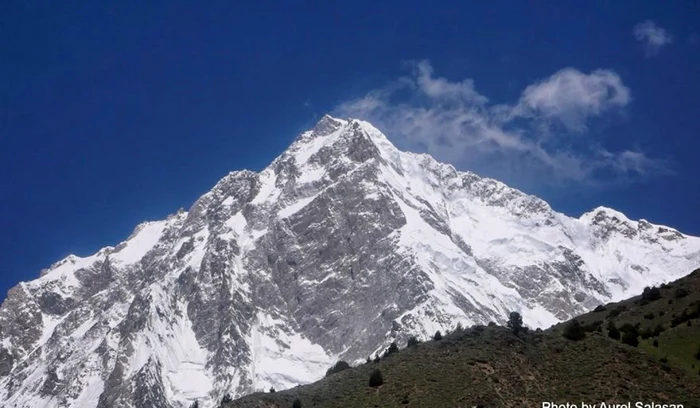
<point x="572" y="97"/>
<point x="543" y="136"/>
<point x="652" y="36"/>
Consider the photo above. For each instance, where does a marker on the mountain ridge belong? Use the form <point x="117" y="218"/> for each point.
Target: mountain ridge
<point x="342" y="243"/>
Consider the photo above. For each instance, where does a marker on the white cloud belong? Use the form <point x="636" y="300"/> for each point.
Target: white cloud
<point x="441" y="89"/>
<point x="571" y="97"/>
<point x="639" y="162"/>
<point x="653" y="37"/>
<point x="542" y="137"/>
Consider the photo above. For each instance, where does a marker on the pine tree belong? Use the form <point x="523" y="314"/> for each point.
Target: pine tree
<point x="613" y="332"/>
<point x="375" y="380"/>
<point x="630" y="338"/>
<point x="515" y="322"/>
<point x="574" y="331"/>
<point x="393" y="348"/>
<point x="339" y="366"/>
<point x="651" y="294"/>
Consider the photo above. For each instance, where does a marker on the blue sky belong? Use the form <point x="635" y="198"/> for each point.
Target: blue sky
<point x="118" y="112"/>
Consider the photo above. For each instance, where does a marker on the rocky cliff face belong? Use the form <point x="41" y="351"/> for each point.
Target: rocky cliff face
<point x="340" y="246"/>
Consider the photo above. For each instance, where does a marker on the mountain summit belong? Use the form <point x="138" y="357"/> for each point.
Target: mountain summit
<point x="341" y="245"/>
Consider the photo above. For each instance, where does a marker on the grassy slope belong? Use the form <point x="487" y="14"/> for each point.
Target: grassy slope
<point x="677" y="344"/>
<point x="494" y="367"/>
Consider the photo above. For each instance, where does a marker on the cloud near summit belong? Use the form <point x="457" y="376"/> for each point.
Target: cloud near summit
<point x="544" y="136"/>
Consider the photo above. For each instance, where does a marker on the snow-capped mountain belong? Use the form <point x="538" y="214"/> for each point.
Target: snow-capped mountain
<point x="342" y="244"/>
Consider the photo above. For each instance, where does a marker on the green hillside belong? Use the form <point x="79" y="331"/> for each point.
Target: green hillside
<point x="667" y="318"/>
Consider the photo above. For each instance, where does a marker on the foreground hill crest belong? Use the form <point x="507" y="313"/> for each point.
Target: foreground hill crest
<point x="341" y="245"/>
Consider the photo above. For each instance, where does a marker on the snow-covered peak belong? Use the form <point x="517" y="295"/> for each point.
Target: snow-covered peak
<point x="328" y="125"/>
<point x="604" y="212"/>
<point x="144" y="238"/>
<point x="343" y="138"/>
<point x="606" y="222"/>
